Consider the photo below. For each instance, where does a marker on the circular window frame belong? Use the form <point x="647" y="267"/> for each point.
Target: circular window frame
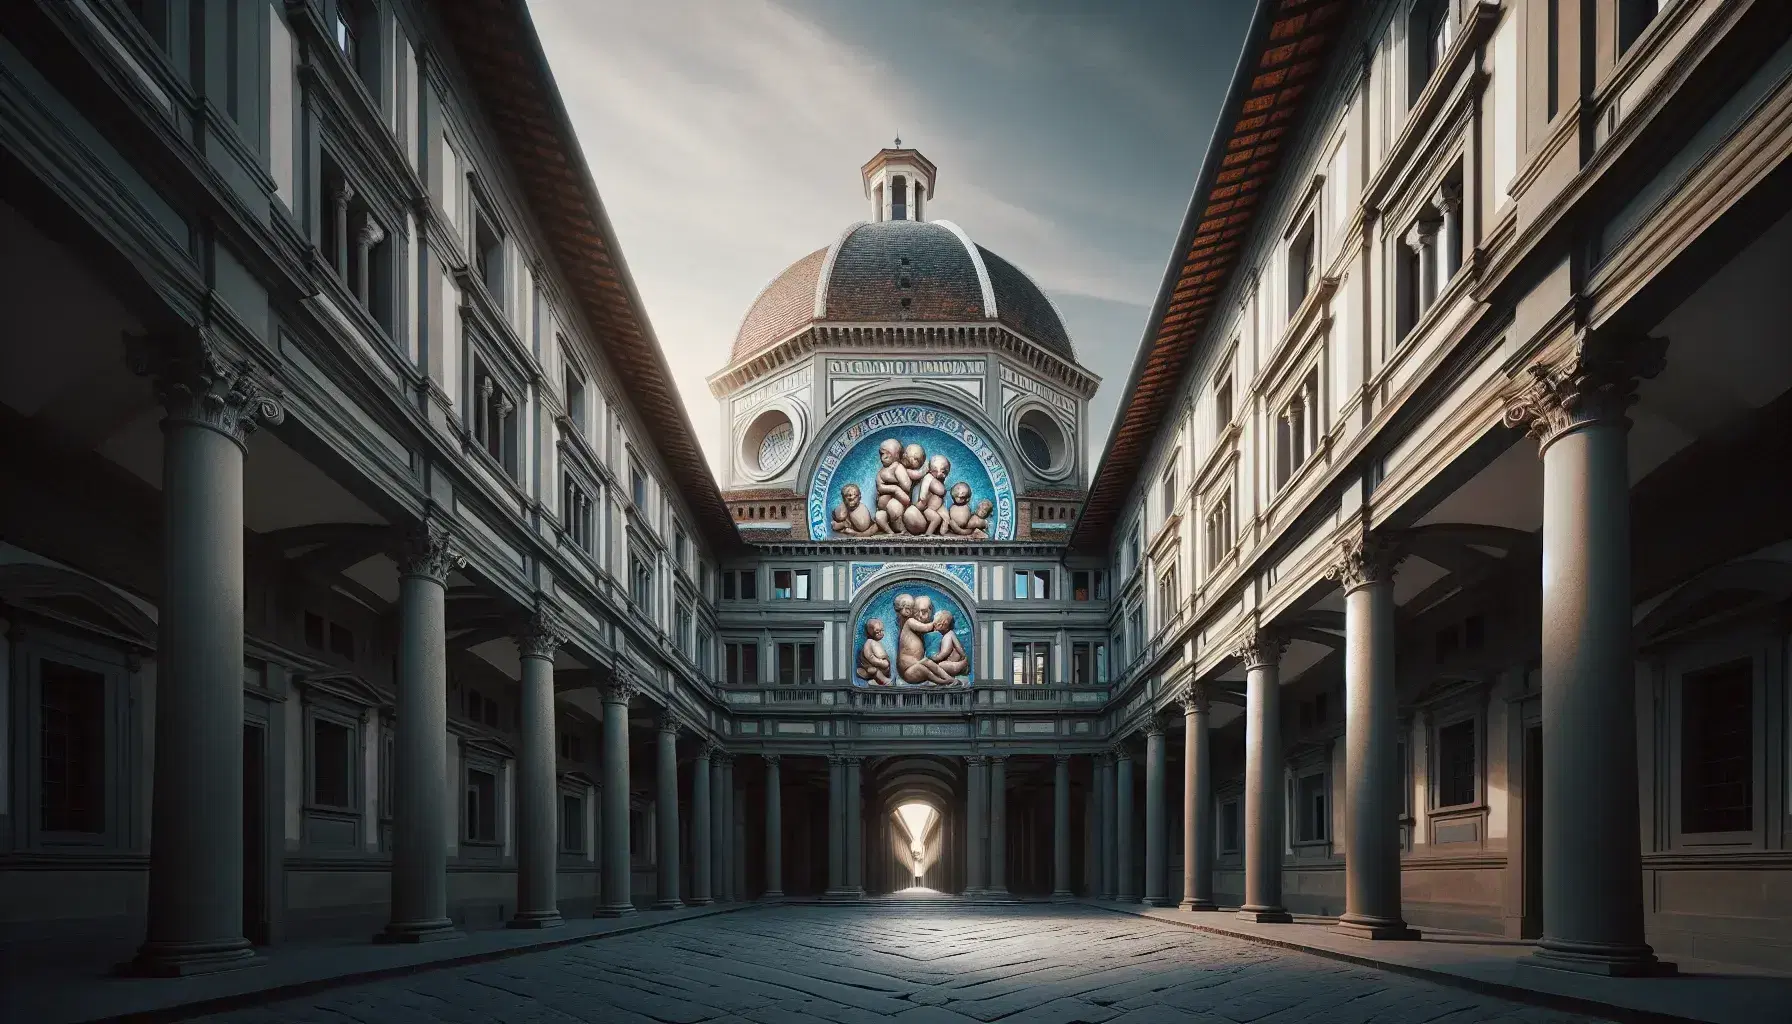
<point x="1064" y="457"/>
<point x="746" y="453"/>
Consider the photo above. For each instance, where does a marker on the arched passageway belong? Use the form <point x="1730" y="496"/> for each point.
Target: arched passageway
<point x="914" y="819"/>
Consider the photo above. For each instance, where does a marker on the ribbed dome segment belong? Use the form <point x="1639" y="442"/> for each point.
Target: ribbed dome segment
<point x="900" y="271"/>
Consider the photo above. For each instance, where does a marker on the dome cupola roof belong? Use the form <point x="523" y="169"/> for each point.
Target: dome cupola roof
<point x="900" y="268"/>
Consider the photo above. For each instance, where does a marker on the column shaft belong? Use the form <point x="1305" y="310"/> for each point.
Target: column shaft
<point x="720" y="828"/>
<point x="420" y="815"/>
<point x="1061" y="828"/>
<point x="998" y="826"/>
<point x="618" y="870"/>
<point x="666" y="815"/>
<point x="701" y="841"/>
<point x="976" y="821"/>
<point x="537" y="786"/>
<point x="1263" y="801"/>
<point x="1110" y="834"/>
<point x="196" y="855"/>
<point x="730" y="835"/>
<point x="1125" y="883"/>
<point x="1197" y="806"/>
<point x="774" y="828"/>
<point x="1371" y="735"/>
<point x="855" y="845"/>
<point x="1157" y="840"/>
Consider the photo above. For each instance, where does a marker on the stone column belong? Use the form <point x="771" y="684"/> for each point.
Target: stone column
<point x="666" y="815"/>
<point x="701" y="841"/>
<point x="1197" y="802"/>
<point x="1261" y="652"/>
<point x="537" y="781"/>
<point x="998" y="826"/>
<point x="774" y="828"/>
<point x="618" y="872"/>
<point x="1592" y="840"/>
<point x="339" y="200"/>
<point x="836" y="827"/>
<point x="855" y="839"/>
<point x="1110" y="847"/>
<point x="1450" y="239"/>
<point x="370" y="235"/>
<point x="212" y="404"/>
<point x="976" y="820"/>
<point x="1157" y="838"/>
<point x="1123" y="808"/>
<point x="730" y="836"/>
<point x="421" y="814"/>
<point x="1371" y="737"/>
<point x="1061" y="828"/>
<point x="720" y="828"/>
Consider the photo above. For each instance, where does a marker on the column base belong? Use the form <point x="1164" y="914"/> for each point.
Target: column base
<point x="615" y="910"/>
<point x="699" y="901"/>
<point x="406" y="932"/>
<point x="1376" y="928"/>
<point x="1265" y="915"/>
<point x="672" y="904"/>
<point x="537" y="919"/>
<point x="771" y="896"/>
<point x="185" y="959"/>
<point x="1127" y="897"/>
<point x="1063" y="896"/>
<point x="840" y="896"/>
<point x="1606" y="961"/>
<point x="1200" y="904"/>
<point x="1158" y="901"/>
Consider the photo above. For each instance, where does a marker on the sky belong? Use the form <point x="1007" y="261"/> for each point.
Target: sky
<point x="726" y="138"/>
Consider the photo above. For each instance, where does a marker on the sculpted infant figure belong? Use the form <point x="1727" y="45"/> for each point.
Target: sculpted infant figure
<point x="914" y="457"/>
<point x="958" y="517"/>
<point x="912" y="662"/>
<point x="874" y="663"/>
<point x="895" y="487"/>
<point x="951" y="657"/>
<point x="979" y="523"/>
<point x="851" y="517"/>
<point x="932" y="497"/>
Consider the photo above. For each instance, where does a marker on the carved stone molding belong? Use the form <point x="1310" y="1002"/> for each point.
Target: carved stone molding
<point x="975" y="760"/>
<point x="198" y="381"/>
<point x="1193" y="698"/>
<point x="623" y="687"/>
<point x="428" y="550"/>
<point x="1260" y="648"/>
<point x="540" y="636"/>
<point x="1594" y="386"/>
<point x="1363" y="560"/>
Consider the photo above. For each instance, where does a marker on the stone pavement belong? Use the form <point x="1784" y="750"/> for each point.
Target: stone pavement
<point x="925" y="963"/>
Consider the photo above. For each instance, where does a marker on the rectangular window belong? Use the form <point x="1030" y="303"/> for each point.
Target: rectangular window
<point x="482" y="806"/>
<point x="1456" y="764"/>
<point x="342" y="642"/>
<point x="1031" y="662"/>
<point x="790" y="584"/>
<point x="575" y="396"/>
<point x="1170" y="494"/>
<point x="1032" y="583"/>
<point x="1135" y="631"/>
<point x="494" y="415"/>
<point x="1297" y="428"/>
<point x="1089" y="663"/>
<point x="637" y="484"/>
<point x="1169" y="597"/>
<point x="1229" y="827"/>
<point x="749" y="585"/>
<point x="73" y="709"/>
<point x="572" y="823"/>
<point x="640" y="582"/>
<point x="577" y="510"/>
<point x="1633" y="17"/>
<point x="314" y="631"/>
<point x="705" y="643"/>
<point x="481" y="709"/>
<point x="488" y="254"/>
<point x="332" y="763"/>
<point x="1302" y="261"/>
<point x="1132" y="550"/>
<point x="728" y="590"/>
<point x="1310" y="801"/>
<point x="679" y="546"/>
<point x="1222" y="404"/>
<point x="1717" y="754"/>
<point x="742" y="657"/>
<point x="796" y="664"/>
<point x="682" y="628"/>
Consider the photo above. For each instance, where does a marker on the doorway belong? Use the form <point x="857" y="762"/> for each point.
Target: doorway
<point x="255" y="832"/>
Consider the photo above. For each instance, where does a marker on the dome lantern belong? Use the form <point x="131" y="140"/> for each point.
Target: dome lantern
<point x="899" y="183"/>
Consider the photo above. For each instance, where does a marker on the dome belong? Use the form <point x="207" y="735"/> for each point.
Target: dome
<point x="897" y="271"/>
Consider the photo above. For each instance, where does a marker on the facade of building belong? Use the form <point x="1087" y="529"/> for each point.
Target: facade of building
<point x="412" y="606"/>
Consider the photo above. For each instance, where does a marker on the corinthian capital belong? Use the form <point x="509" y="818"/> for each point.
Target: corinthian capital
<point x="623" y="686"/>
<point x="1260" y="647"/>
<point x="1193" y="698"/>
<point x="540" y="636"/>
<point x="200" y="382"/>
<point x="1593" y="386"/>
<point x="1363" y="560"/>
<point x="427" y="550"/>
<point x="1154" y="726"/>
